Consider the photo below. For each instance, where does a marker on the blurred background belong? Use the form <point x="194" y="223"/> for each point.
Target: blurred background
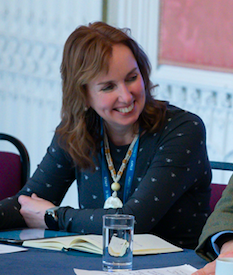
<point x="189" y="44"/>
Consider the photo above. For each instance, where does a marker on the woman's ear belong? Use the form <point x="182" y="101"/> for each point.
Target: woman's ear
<point x="87" y="105"/>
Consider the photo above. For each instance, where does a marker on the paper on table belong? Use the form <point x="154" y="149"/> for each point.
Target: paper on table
<point x="4" y="248"/>
<point x="176" y="270"/>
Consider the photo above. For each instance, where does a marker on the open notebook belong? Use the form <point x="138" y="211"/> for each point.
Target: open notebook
<point x="143" y="244"/>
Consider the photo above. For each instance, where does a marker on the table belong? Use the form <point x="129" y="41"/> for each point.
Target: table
<point x="48" y="262"/>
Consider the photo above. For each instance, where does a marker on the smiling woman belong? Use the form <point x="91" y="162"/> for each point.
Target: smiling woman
<point x="130" y="153"/>
<point x="118" y="96"/>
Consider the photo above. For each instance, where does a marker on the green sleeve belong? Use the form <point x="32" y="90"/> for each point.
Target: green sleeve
<point x="221" y="219"/>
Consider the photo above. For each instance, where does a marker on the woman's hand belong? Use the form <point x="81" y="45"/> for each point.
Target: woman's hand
<point x="209" y="269"/>
<point x="33" y="210"/>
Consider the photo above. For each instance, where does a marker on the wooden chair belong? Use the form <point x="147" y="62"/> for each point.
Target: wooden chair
<point x="217" y="189"/>
<point x="14" y="168"/>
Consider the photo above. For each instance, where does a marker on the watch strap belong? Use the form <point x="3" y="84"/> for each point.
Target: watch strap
<point x="51" y="218"/>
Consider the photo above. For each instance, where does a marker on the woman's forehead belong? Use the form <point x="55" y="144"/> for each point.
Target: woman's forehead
<point x="119" y="66"/>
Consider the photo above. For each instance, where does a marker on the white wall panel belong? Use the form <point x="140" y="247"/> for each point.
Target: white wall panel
<point x="32" y="35"/>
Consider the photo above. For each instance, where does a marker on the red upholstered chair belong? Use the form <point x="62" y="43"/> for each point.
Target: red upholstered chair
<point x="216" y="193"/>
<point x="14" y="168"/>
<point x="217" y="189"/>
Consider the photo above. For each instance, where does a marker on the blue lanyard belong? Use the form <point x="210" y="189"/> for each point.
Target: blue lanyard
<point x="129" y="173"/>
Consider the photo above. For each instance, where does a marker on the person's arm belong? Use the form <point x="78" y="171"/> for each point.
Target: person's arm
<point x="219" y="239"/>
<point x="220" y="220"/>
<point x="209" y="269"/>
<point x="10" y="216"/>
<point x="227" y="248"/>
<point x="53" y="176"/>
<point x="50" y="181"/>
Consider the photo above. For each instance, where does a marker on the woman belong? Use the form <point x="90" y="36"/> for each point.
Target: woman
<point x="129" y="152"/>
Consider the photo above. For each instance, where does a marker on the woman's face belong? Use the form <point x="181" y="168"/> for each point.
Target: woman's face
<point x="118" y="96"/>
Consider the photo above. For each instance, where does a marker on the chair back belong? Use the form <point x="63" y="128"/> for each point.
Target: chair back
<point x="216" y="193"/>
<point x="217" y="189"/>
<point x="14" y="168"/>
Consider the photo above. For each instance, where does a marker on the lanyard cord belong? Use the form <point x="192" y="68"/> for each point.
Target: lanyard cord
<point x="132" y="157"/>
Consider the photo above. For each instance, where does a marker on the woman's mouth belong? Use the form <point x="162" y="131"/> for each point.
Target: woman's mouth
<point x="126" y="109"/>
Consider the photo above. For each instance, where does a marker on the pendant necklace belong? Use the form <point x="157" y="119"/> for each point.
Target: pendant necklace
<point x="113" y="201"/>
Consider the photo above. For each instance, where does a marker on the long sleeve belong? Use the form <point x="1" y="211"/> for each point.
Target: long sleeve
<point x="10" y="216"/>
<point x="50" y="181"/>
<point x="221" y="219"/>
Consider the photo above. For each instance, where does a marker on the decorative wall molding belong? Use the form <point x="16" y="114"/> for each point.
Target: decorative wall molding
<point x="32" y="36"/>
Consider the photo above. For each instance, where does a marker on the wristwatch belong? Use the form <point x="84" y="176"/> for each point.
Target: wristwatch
<point x="51" y="218"/>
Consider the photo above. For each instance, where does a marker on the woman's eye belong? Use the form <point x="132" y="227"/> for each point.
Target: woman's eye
<point x="132" y="78"/>
<point x="108" y="88"/>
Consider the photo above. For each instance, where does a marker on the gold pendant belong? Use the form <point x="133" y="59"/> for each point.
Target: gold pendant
<point x="113" y="202"/>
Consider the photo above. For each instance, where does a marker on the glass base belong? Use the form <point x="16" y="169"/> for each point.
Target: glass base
<point x="112" y="267"/>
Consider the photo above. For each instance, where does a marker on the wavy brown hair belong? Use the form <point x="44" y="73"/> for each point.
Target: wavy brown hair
<point x="86" y="54"/>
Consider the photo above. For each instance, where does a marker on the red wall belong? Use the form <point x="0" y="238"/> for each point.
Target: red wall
<point x="197" y="33"/>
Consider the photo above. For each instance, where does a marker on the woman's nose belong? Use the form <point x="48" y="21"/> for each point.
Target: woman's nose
<point x="124" y="93"/>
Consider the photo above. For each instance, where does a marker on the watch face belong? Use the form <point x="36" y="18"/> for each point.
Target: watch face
<point x="51" y="219"/>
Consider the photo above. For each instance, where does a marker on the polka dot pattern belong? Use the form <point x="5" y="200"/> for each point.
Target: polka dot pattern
<point x="170" y="188"/>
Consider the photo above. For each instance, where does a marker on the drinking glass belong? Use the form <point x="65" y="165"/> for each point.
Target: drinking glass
<point x="117" y="242"/>
<point x="224" y="266"/>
